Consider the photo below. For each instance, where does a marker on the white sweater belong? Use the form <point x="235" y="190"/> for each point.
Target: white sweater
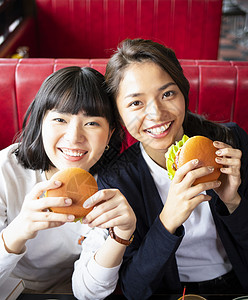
<point x="54" y="254"/>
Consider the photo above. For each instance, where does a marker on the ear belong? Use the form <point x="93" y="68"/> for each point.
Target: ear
<point x="111" y="131"/>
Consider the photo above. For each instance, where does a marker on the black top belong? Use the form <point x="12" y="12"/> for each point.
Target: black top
<point x="149" y="264"/>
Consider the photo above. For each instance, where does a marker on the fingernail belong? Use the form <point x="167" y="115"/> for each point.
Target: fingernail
<point x="211" y="169"/>
<point x="68" y="201"/>
<point x="86" y="204"/>
<point x="218" y="159"/>
<point x="218" y="183"/>
<point x="216" y="143"/>
<point x="208" y="198"/>
<point x="195" y="162"/>
<point x="84" y="221"/>
<point x="58" y="183"/>
<point x="70" y="217"/>
<point x="218" y="152"/>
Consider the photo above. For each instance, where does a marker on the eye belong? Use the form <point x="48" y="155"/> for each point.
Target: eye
<point x="135" y="103"/>
<point x="59" y="120"/>
<point x="168" y="94"/>
<point x="92" y="123"/>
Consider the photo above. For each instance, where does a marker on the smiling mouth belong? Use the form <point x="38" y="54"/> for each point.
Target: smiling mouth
<point x="73" y="153"/>
<point x="159" y="130"/>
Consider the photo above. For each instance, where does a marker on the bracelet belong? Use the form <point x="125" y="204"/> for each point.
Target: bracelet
<point x="118" y="239"/>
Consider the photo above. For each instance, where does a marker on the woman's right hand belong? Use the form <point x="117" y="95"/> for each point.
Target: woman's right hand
<point x="35" y="216"/>
<point x="183" y="197"/>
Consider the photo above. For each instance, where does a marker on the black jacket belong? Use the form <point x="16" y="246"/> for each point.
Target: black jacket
<point x="149" y="264"/>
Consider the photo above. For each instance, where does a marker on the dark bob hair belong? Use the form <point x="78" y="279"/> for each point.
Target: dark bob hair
<point x="139" y="51"/>
<point x="68" y="90"/>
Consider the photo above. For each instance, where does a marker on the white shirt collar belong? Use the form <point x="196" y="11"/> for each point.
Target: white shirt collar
<point x="153" y="167"/>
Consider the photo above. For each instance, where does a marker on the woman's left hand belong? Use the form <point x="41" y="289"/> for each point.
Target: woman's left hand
<point x="111" y="209"/>
<point x="230" y="178"/>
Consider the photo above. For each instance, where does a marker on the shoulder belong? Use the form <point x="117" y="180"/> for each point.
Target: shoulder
<point x="126" y="167"/>
<point x="126" y="159"/>
<point x="240" y="135"/>
<point x="7" y="156"/>
<point x="11" y="170"/>
<point x="232" y="126"/>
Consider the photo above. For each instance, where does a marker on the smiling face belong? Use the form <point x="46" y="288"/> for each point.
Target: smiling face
<point x="73" y="140"/>
<point x="152" y="108"/>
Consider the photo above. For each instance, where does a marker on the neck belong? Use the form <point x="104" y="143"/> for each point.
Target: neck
<point x="157" y="156"/>
<point x="50" y="172"/>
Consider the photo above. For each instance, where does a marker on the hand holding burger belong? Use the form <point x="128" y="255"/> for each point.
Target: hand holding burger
<point x="78" y="185"/>
<point x="197" y="147"/>
<point x="230" y="158"/>
<point x="191" y="161"/>
<point x="111" y="208"/>
<point x="222" y="157"/>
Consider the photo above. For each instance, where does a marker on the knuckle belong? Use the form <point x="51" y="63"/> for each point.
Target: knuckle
<point x="179" y="171"/>
<point x="106" y="216"/>
<point x="100" y="209"/>
<point x="201" y="197"/>
<point x="190" y="175"/>
<point x="103" y="192"/>
<point x="58" y="201"/>
<point x="239" y="152"/>
<point x="187" y="205"/>
<point x="238" y="163"/>
<point x="48" y="216"/>
<point x="61" y="201"/>
<point x="202" y="187"/>
<point x="89" y="218"/>
<point x="117" y="192"/>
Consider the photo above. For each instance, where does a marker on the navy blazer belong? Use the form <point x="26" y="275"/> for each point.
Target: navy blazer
<point x="149" y="264"/>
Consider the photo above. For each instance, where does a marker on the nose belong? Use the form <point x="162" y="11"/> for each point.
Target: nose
<point x="153" y="110"/>
<point x="74" y="134"/>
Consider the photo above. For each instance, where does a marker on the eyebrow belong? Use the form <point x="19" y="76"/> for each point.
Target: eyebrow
<point x="133" y="95"/>
<point x="163" y="87"/>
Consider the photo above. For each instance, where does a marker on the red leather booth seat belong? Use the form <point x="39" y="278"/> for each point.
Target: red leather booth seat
<point x="93" y="28"/>
<point x="218" y="89"/>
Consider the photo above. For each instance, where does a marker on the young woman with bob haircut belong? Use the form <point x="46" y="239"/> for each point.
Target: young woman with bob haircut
<point x="69" y="124"/>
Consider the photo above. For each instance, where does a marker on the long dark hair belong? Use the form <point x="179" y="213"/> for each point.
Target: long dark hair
<point x="68" y="90"/>
<point x="140" y="50"/>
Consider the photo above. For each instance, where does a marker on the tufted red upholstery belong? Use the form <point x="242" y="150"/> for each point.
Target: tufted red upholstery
<point x="218" y="89"/>
<point x="92" y="28"/>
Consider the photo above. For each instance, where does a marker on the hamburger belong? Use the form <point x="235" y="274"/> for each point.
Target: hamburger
<point x="196" y="147"/>
<point x="78" y="185"/>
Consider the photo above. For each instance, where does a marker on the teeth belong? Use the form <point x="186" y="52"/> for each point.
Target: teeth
<point x="72" y="153"/>
<point x="159" y="130"/>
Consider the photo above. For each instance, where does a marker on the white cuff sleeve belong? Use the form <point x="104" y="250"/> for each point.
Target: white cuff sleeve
<point x="8" y="260"/>
<point x="102" y="274"/>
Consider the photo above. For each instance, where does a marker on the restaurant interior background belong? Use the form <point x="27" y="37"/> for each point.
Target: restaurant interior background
<point x="234" y="31"/>
<point x="18" y="85"/>
<point x="233" y="43"/>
